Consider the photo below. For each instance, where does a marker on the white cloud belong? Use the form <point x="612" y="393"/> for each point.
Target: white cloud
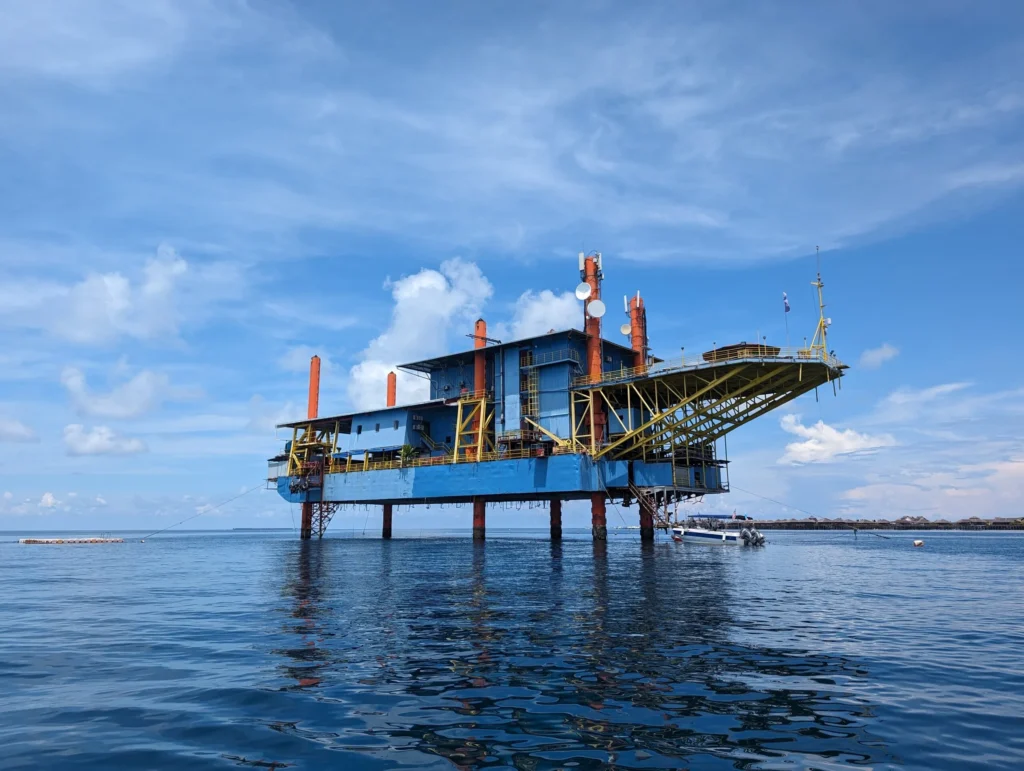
<point x="103" y="306"/>
<point x="48" y="501"/>
<point x="8" y="496"/>
<point x="538" y="312"/>
<point x="100" y="500"/>
<point x="296" y="359"/>
<point x="823" y="443"/>
<point x="140" y="395"/>
<point x="12" y="430"/>
<point x="873" y="358"/>
<point x="905" y="405"/>
<point x="426" y="307"/>
<point x="989" y="489"/>
<point x="99" y="441"/>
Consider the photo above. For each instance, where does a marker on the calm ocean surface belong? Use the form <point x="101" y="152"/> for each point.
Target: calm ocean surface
<point x="234" y="650"/>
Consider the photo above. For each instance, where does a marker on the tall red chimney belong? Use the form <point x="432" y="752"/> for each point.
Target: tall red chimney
<point x="392" y="389"/>
<point x="314" y="388"/>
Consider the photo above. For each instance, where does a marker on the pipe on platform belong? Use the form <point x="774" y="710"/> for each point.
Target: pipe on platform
<point x="479" y="519"/>
<point x="306" y="530"/>
<point x="314" y="388"/>
<point x="598" y="517"/>
<point x="392" y="389"/>
<point x="556" y="519"/>
<point x="386" y="530"/>
<point x="646" y="519"/>
<point x="638" y="330"/>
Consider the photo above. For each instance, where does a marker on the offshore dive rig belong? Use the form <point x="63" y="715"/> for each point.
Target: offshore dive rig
<point x="566" y="415"/>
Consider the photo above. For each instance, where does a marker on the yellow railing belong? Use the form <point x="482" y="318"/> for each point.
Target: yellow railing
<point x="551" y="357"/>
<point x="475" y="396"/>
<point x="341" y="466"/>
<point x="753" y="352"/>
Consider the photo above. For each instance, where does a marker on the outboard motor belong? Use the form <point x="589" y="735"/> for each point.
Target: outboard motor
<point x="746" y="535"/>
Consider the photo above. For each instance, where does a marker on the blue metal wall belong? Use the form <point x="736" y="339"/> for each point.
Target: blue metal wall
<point x="564" y="476"/>
<point x="377" y="429"/>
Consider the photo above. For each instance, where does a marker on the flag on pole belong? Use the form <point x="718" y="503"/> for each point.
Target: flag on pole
<point x="785" y="302"/>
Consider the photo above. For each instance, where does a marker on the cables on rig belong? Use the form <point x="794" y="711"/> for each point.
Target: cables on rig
<point x="205" y="511"/>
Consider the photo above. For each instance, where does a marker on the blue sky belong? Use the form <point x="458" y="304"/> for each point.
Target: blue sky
<point x="198" y="195"/>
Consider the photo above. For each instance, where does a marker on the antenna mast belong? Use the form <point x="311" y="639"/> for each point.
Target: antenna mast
<point x="823" y="323"/>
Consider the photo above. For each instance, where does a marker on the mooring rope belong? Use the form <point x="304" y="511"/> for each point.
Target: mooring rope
<point x="205" y="511"/>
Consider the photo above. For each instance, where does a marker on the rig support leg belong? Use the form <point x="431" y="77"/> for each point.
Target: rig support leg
<point x="479" y="519"/>
<point x="598" y="519"/>
<point x="646" y="519"/>
<point x="306" y="531"/>
<point x="386" y="530"/>
<point x="556" y="519"/>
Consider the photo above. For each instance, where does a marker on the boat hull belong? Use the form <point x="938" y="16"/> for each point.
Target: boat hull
<point x="712" y="537"/>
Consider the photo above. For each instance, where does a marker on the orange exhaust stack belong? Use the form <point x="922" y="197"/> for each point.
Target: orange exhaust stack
<point x="314" y="388"/>
<point x="479" y="358"/>
<point x="638" y="330"/>
<point x="392" y="389"/>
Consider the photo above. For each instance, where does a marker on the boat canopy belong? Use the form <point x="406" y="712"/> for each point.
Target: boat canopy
<point x="722" y="516"/>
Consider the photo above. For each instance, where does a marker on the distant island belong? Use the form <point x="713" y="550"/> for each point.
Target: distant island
<point x="903" y="523"/>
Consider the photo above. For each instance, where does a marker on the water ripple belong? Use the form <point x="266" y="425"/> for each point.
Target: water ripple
<point x="255" y="651"/>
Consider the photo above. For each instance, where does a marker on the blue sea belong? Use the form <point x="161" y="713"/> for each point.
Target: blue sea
<point x="253" y="650"/>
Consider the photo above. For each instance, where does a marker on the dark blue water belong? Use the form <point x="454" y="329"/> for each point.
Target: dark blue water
<point x="220" y="651"/>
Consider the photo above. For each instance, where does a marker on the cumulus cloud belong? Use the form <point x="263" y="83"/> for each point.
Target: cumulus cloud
<point x="140" y="395"/>
<point x="48" y="501"/>
<point x="823" y="443"/>
<point x="105" y="306"/>
<point x="538" y="312"/>
<point x="99" y="441"/>
<point x="12" y="430"/>
<point x="873" y="358"/>
<point x="426" y="307"/>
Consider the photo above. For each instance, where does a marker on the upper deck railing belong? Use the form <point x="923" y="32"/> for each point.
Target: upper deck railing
<point x="750" y="353"/>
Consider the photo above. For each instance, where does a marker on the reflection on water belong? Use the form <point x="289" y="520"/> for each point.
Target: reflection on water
<point x="554" y="655"/>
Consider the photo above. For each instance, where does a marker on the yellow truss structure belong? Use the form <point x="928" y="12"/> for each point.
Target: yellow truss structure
<point x="309" y="442"/>
<point x="474" y="427"/>
<point x="685" y="411"/>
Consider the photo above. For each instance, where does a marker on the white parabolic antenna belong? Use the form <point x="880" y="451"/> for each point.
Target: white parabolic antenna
<point x="596" y="309"/>
<point x="583" y="291"/>
<point x="624" y="329"/>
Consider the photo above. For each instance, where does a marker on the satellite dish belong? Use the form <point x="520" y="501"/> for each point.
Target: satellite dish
<point x="828" y="322"/>
<point x="624" y="329"/>
<point x="583" y="291"/>
<point x="596" y="309"/>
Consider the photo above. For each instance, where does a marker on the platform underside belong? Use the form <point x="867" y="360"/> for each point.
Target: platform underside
<point x="570" y="476"/>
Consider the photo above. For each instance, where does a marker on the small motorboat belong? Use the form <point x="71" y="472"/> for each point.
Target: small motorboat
<point x="712" y="529"/>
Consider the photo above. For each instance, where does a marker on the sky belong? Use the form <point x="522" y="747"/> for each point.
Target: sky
<point x="197" y="195"/>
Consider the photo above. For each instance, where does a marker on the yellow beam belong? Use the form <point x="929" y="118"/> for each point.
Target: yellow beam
<point x="557" y="439"/>
<point x="657" y="418"/>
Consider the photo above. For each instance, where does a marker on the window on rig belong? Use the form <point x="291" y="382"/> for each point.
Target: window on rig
<point x="359" y="430"/>
<point x="377" y="428"/>
<point x="396" y="425"/>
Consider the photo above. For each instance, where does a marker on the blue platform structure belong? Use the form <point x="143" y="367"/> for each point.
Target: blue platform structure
<point x="565" y="415"/>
